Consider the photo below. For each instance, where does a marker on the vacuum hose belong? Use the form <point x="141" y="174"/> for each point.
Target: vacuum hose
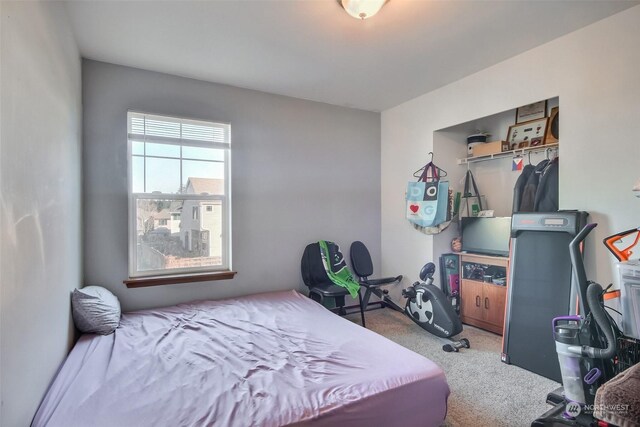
<point x="600" y="316"/>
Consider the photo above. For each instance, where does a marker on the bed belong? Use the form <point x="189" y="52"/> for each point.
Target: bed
<point x="264" y="360"/>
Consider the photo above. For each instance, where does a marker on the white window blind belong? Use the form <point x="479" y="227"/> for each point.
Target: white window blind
<point x="164" y="129"/>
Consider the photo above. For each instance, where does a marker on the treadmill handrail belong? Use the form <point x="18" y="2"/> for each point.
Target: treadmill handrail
<point x="577" y="264"/>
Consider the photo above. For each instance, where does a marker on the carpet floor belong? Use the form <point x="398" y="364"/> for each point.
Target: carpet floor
<point x="484" y="391"/>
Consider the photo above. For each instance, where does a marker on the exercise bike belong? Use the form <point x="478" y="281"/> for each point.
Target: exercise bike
<point x="429" y="307"/>
<point x="425" y="303"/>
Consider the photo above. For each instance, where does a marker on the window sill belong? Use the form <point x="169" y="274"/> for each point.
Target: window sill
<point x="142" y="282"/>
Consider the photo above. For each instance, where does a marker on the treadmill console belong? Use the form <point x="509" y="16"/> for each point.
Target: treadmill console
<point x="554" y="222"/>
<point x="545" y="221"/>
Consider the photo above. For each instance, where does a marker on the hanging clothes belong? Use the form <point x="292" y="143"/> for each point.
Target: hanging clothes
<point x="518" y="190"/>
<point x="527" y="203"/>
<point x="547" y="194"/>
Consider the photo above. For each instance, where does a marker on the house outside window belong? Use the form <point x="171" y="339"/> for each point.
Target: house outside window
<point x="176" y="167"/>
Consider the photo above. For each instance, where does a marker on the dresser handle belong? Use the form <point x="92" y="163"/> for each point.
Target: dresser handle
<point x="477" y="300"/>
<point x="486" y="303"/>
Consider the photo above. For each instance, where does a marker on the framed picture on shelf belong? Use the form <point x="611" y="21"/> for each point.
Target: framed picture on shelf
<point x="534" y="111"/>
<point x="532" y="133"/>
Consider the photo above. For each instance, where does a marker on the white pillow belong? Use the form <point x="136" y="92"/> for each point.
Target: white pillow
<point x="95" y="310"/>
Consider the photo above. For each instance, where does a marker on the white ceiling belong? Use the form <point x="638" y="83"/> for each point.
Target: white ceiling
<point x="312" y="49"/>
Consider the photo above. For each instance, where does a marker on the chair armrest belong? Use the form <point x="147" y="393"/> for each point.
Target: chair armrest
<point x="381" y="282"/>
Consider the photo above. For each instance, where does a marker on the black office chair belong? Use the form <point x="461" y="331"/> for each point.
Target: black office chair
<point x="320" y="286"/>
<point x="363" y="267"/>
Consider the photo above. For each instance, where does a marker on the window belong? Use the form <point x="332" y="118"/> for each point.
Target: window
<point x="177" y="166"/>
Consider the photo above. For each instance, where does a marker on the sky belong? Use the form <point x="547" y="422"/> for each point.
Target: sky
<point x="163" y="173"/>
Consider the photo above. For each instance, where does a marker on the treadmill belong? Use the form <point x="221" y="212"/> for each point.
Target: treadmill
<point x="541" y="287"/>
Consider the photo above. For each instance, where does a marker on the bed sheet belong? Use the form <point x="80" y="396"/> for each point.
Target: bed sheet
<point x="270" y="359"/>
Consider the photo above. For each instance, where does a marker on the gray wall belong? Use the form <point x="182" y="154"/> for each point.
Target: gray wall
<point x="301" y="171"/>
<point x="599" y="127"/>
<point x="41" y="208"/>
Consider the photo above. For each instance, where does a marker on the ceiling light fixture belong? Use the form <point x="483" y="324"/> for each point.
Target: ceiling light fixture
<point x="362" y="9"/>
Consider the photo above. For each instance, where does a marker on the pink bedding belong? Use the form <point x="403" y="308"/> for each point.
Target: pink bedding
<point x="264" y="360"/>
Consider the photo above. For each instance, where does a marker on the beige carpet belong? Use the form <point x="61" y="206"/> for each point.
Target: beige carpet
<point x="484" y="391"/>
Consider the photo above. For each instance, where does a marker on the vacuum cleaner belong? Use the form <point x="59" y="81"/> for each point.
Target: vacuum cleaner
<point x="429" y="307"/>
<point x="582" y="365"/>
<point x="586" y="347"/>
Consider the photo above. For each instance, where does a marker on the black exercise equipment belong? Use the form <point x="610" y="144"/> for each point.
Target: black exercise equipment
<point x="429" y="307"/>
<point x="363" y="267"/>
<point x="541" y="287"/>
<point x="456" y="345"/>
<point x="426" y="304"/>
<point x="320" y="286"/>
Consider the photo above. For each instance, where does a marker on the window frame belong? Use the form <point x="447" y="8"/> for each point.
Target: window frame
<point x="186" y="273"/>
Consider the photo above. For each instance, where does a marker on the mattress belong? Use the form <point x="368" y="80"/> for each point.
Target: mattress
<point x="271" y="359"/>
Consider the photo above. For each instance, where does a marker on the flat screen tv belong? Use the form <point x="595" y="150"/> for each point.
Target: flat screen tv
<point x="488" y="236"/>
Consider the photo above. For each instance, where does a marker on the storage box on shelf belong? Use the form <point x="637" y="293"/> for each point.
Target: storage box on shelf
<point x="629" y="273"/>
<point x="487" y="148"/>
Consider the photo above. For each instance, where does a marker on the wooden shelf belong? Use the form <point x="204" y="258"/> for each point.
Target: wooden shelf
<point x="501" y="261"/>
<point x="519" y="151"/>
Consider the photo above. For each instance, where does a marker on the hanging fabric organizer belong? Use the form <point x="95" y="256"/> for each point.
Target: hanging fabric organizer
<point x="428" y="199"/>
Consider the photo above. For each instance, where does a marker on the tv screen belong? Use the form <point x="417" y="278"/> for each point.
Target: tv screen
<point x="489" y="236"/>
